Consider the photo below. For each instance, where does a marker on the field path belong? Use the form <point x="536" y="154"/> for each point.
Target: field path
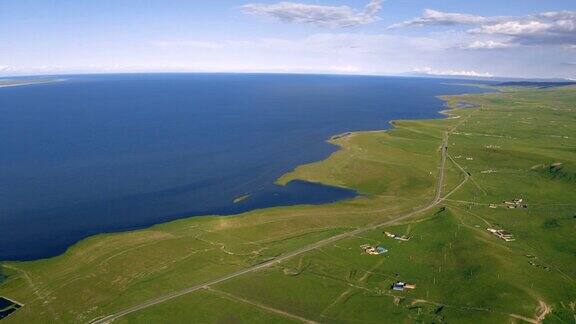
<point x="226" y="295"/>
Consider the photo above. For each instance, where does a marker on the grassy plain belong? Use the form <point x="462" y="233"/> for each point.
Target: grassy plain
<point x="518" y="144"/>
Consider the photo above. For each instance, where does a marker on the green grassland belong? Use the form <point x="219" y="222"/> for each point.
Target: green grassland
<point x="516" y="144"/>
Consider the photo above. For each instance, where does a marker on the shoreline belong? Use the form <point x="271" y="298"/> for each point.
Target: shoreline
<point x="442" y="114"/>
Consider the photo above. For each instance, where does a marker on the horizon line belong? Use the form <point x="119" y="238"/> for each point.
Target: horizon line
<point x="402" y="75"/>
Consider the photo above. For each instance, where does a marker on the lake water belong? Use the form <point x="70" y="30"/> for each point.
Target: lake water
<point x="106" y="153"/>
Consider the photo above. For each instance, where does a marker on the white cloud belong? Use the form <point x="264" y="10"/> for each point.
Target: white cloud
<point x="465" y="73"/>
<point x="323" y="16"/>
<point x="488" y="45"/>
<point x="434" y="17"/>
<point x="548" y="28"/>
<point x="514" y="28"/>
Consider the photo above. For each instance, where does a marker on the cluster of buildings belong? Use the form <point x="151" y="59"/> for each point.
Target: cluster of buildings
<point x="506" y="236"/>
<point x="373" y="250"/>
<point x="515" y="203"/>
<point x="396" y="237"/>
<point x="377" y="250"/>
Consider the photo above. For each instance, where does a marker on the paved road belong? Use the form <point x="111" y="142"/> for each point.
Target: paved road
<point x="437" y="199"/>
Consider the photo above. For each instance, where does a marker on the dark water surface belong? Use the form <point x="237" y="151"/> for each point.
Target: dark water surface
<point x="106" y="153"/>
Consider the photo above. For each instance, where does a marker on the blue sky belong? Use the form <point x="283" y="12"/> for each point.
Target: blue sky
<point x="518" y="38"/>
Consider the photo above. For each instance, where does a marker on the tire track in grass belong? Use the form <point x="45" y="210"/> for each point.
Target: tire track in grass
<point x="270" y="309"/>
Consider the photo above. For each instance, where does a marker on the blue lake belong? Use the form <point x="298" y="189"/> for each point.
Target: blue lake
<point x="103" y="153"/>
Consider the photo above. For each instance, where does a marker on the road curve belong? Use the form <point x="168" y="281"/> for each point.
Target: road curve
<point x="437" y="199"/>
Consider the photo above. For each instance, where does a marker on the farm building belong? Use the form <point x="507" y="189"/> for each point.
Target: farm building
<point x="400" y="286"/>
<point x="506" y="236"/>
<point x="373" y="250"/>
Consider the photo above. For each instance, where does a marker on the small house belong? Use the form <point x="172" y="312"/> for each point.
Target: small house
<point x="380" y="250"/>
<point x="398" y="286"/>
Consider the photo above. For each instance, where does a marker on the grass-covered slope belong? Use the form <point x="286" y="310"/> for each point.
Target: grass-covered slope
<point x="513" y="145"/>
